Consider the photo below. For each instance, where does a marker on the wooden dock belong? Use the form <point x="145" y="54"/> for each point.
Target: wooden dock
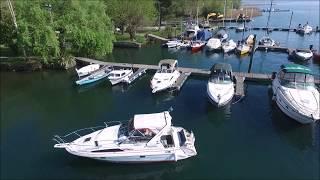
<point x="180" y="81"/>
<point x="136" y="75"/>
<point x="193" y="71"/>
<point x="269" y="29"/>
<point x="239" y="85"/>
<point x="152" y="36"/>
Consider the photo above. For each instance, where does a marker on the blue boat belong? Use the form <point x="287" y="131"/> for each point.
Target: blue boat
<point x="95" y="76"/>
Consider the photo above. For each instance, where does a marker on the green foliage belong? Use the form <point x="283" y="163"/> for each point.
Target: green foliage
<point x="87" y="27"/>
<point x="46" y="27"/>
<point x="130" y="14"/>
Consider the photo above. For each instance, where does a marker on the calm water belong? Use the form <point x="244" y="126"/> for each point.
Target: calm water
<point x="251" y="139"/>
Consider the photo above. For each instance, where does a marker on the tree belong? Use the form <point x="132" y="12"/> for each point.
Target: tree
<point x="85" y="25"/>
<point x="130" y="14"/>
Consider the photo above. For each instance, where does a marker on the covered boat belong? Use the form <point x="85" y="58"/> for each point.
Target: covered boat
<point x="214" y="44"/>
<point x="166" y="75"/>
<point x="145" y="138"/>
<point x="229" y="46"/>
<point x="95" y="76"/>
<point x="119" y="75"/>
<point x="295" y="93"/>
<point x="220" y="87"/>
<point x="86" y="70"/>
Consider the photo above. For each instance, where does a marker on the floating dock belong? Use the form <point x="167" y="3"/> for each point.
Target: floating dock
<point x="180" y="81"/>
<point x="239" y="86"/>
<point x="136" y="75"/>
<point x="269" y="29"/>
<point x="192" y="71"/>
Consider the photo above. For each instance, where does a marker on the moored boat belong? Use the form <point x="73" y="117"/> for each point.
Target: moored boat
<point x="197" y="46"/>
<point x="214" y="44"/>
<point x="220" y="88"/>
<point x="119" y="75"/>
<point x="303" y="55"/>
<point x="86" y="70"/>
<point x="306" y="29"/>
<point x="242" y="48"/>
<point x="229" y="46"/>
<point x="296" y="94"/>
<point x="267" y="41"/>
<point x="166" y="75"/>
<point x="95" y="76"/>
<point x="145" y="138"/>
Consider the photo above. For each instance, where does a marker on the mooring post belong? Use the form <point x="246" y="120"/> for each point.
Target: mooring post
<point x="290" y="20"/>
<point x="252" y="52"/>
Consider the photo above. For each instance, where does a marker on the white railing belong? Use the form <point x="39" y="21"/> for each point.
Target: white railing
<point x="81" y="132"/>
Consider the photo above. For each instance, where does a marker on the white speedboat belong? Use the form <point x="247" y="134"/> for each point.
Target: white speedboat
<point x="95" y="76"/>
<point x="267" y="41"/>
<point x="306" y="29"/>
<point x="119" y="75"/>
<point x="173" y="43"/>
<point x="166" y="75"/>
<point x="300" y="54"/>
<point x="229" y="46"/>
<point x="220" y="88"/>
<point x="242" y="48"/>
<point x="213" y="44"/>
<point x="86" y="70"/>
<point x="145" y="138"/>
<point x="296" y="94"/>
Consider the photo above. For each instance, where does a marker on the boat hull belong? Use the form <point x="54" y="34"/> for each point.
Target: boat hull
<point x="224" y="101"/>
<point x="88" y="80"/>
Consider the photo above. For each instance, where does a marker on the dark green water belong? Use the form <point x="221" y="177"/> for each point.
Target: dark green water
<point x="251" y="139"/>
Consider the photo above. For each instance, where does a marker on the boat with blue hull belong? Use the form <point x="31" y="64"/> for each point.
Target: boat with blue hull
<point x="95" y="76"/>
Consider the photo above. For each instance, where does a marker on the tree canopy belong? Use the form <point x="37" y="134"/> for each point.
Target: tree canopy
<point x="47" y="27"/>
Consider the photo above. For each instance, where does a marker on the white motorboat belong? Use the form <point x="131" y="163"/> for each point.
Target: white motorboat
<point x="267" y="41"/>
<point x="242" y="48"/>
<point x="145" y="138"/>
<point x="306" y="29"/>
<point x="119" y="75"/>
<point x="86" y="70"/>
<point x="166" y="75"/>
<point x="249" y="40"/>
<point x="192" y="30"/>
<point x="241" y="28"/>
<point x="229" y="46"/>
<point x="173" y="43"/>
<point x="214" y="44"/>
<point x="220" y="88"/>
<point x="300" y="54"/>
<point x="95" y="76"/>
<point x="185" y="44"/>
<point x="296" y="94"/>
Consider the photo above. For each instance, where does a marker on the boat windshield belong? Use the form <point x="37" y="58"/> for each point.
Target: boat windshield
<point x="128" y="134"/>
<point x="297" y="80"/>
<point x="165" y="69"/>
<point x="220" y="77"/>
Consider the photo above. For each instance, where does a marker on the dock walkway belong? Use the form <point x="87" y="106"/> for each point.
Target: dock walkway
<point x="239" y="85"/>
<point x="192" y="71"/>
<point x="136" y="75"/>
<point x="181" y="79"/>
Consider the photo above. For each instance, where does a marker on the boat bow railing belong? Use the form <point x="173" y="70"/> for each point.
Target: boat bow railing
<point x="68" y="138"/>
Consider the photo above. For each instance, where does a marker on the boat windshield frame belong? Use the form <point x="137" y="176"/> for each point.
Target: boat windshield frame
<point x="296" y="80"/>
<point x="221" y="77"/>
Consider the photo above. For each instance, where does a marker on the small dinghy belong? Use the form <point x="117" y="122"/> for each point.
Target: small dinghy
<point x="95" y="76"/>
<point x="119" y="75"/>
<point x="143" y="139"/>
<point x="267" y="41"/>
<point x="86" y="70"/>
<point x="303" y="55"/>
<point x="220" y="88"/>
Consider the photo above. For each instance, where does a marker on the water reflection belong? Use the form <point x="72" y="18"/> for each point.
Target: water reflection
<point x="298" y="135"/>
<point x="218" y="116"/>
<point x="106" y="170"/>
<point x="87" y="87"/>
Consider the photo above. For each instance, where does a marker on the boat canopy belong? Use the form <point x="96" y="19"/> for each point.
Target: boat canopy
<point x="169" y="63"/>
<point x="295" y="68"/>
<point x="221" y="66"/>
<point x="155" y="121"/>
